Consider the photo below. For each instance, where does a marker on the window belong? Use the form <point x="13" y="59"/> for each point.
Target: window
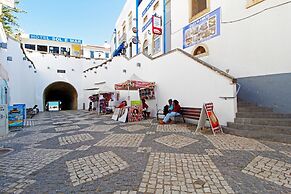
<point x="124" y="28"/>
<point x="156" y="5"/>
<point x="61" y="71"/>
<point x="106" y="55"/>
<point x="198" y="8"/>
<point x="145" y="19"/>
<point x="42" y="48"/>
<point x="54" y="50"/>
<point x="29" y="46"/>
<point x="200" y="51"/>
<point x="146" y="47"/>
<point x="130" y="20"/>
<point x="157" y="43"/>
<point x="251" y="3"/>
<point x="91" y="54"/>
<point x="65" y="51"/>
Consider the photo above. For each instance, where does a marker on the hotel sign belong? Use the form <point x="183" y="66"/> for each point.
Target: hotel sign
<point x="9" y="3"/>
<point x="202" y="29"/>
<point x="57" y="39"/>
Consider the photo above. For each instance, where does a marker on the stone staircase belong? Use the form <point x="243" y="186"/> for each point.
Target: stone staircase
<point x="260" y="123"/>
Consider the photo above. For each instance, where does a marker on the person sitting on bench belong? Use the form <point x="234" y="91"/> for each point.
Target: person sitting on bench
<point x="168" y="108"/>
<point x="174" y="113"/>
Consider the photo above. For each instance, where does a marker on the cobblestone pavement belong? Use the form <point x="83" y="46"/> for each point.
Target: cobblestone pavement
<point x="81" y="152"/>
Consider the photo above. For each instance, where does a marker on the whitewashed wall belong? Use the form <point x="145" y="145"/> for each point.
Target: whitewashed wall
<point x="21" y="78"/>
<point x="256" y="46"/>
<point x="177" y="76"/>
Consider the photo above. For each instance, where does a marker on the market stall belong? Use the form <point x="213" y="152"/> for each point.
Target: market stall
<point x="103" y="100"/>
<point x="146" y="91"/>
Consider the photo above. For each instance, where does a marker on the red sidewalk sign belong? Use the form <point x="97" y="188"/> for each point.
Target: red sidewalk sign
<point x="208" y="113"/>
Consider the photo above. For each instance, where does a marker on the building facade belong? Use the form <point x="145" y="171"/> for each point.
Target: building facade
<point x="63" y="46"/>
<point x="242" y="38"/>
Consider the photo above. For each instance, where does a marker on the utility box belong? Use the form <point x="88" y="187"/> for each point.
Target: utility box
<point x="3" y="120"/>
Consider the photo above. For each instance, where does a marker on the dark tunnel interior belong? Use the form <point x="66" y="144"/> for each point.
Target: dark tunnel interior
<point x="63" y="92"/>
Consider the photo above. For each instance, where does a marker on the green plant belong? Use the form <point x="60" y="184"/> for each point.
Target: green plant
<point x="9" y="20"/>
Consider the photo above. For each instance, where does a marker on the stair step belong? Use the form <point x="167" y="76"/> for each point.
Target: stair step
<point x="261" y="115"/>
<point x="261" y="128"/>
<point x="264" y="121"/>
<point x="254" y="109"/>
<point x="261" y="135"/>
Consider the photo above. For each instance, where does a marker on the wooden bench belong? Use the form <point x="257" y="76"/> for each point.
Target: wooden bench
<point x="186" y="112"/>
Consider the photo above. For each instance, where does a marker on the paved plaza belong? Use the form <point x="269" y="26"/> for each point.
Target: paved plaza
<point x="81" y="152"/>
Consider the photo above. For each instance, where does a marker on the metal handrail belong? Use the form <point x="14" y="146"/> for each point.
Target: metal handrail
<point x="232" y="97"/>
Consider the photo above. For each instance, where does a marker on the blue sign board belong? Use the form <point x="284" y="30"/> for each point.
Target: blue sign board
<point x="16" y="115"/>
<point x="202" y="29"/>
<point x="148" y="7"/>
<point x="57" y="39"/>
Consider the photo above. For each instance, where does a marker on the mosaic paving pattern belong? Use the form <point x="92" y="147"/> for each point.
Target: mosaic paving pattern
<point x="111" y="122"/>
<point x="231" y="142"/>
<point x="144" y="150"/>
<point x="90" y="168"/>
<point x="134" y="128"/>
<point x="173" y="128"/>
<point x="129" y="159"/>
<point x="213" y="152"/>
<point x="272" y="170"/>
<point x="75" y="139"/>
<point x="286" y="153"/>
<point x="121" y="140"/>
<point x="169" y="172"/>
<point x="150" y="133"/>
<point x="34" y="138"/>
<point x="125" y="192"/>
<point x="83" y="148"/>
<point x="176" y="141"/>
<point x="18" y="186"/>
<point x="67" y="128"/>
<point x="99" y="128"/>
<point x="62" y="122"/>
<point x="28" y="161"/>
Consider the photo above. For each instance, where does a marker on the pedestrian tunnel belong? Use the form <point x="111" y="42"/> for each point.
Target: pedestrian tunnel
<point x="63" y="92"/>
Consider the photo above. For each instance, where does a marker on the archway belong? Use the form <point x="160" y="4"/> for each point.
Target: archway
<point x="63" y="92"/>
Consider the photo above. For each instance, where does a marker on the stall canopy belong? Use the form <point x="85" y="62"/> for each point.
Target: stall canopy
<point x="104" y="89"/>
<point x="134" y="83"/>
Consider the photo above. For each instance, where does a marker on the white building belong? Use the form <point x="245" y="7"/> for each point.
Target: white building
<point x="242" y="38"/>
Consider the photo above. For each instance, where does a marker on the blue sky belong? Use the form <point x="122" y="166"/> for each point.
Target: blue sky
<point x="90" y="20"/>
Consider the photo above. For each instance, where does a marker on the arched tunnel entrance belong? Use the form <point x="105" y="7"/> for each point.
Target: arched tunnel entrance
<point x="63" y="92"/>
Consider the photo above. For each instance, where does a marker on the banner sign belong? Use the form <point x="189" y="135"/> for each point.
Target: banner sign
<point x="157" y="25"/>
<point x="57" y="39"/>
<point x="16" y="115"/>
<point x="149" y="22"/>
<point x="148" y="7"/>
<point x="208" y="113"/>
<point x="9" y="3"/>
<point x="202" y="29"/>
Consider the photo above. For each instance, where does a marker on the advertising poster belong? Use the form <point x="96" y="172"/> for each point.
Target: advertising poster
<point x="202" y="29"/>
<point x="16" y="115"/>
<point x="135" y="113"/>
<point x="76" y="50"/>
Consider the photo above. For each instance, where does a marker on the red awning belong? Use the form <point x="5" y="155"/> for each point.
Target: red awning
<point x="134" y="85"/>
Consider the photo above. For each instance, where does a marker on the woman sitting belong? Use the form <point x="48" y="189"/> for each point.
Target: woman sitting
<point x="174" y="113"/>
